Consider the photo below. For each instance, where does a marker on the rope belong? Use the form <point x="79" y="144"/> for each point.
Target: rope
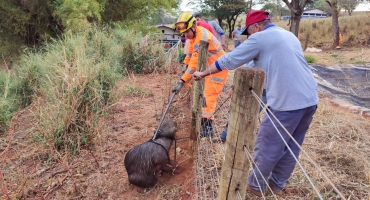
<point x="238" y="194"/>
<point x="250" y="159"/>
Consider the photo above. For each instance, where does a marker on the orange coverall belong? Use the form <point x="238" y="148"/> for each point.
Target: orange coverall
<point x="214" y="83"/>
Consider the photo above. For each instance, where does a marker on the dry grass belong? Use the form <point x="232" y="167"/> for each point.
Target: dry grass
<point x="338" y="141"/>
<point x="356" y="38"/>
<point x="355" y="56"/>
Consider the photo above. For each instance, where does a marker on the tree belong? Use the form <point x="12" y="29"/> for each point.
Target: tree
<point x="311" y="5"/>
<point x="275" y="7"/>
<point x="228" y="10"/>
<point x="322" y="5"/>
<point x="36" y="20"/>
<point x="349" y="5"/>
<point x="335" y="8"/>
<point x="296" y="8"/>
<point x="28" y="21"/>
<point x="76" y="15"/>
<point x="121" y="10"/>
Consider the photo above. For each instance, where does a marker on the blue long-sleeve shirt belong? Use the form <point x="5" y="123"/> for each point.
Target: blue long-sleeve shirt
<point x="289" y="83"/>
<point x="217" y="28"/>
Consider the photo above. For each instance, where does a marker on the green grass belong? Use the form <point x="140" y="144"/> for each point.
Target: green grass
<point x="71" y="83"/>
<point x="310" y="59"/>
<point x="360" y="62"/>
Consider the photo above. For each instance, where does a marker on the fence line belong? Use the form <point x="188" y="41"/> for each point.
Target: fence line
<point x="299" y="146"/>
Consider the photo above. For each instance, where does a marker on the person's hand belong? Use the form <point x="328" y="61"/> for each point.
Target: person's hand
<point x="223" y="47"/>
<point x="198" y="75"/>
<point x="178" y="86"/>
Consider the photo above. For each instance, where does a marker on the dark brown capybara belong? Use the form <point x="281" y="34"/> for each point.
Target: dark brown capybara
<point x="144" y="160"/>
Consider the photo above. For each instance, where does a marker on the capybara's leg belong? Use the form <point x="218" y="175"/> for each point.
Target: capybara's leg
<point x="171" y="168"/>
<point x="142" y="180"/>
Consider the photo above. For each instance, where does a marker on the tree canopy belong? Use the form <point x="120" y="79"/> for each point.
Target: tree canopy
<point x="36" y="20"/>
<point x="227" y="10"/>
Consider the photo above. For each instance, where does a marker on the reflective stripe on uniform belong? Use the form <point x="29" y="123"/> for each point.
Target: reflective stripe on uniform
<point x="215" y="52"/>
<point x="204" y="34"/>
<point x="205" y="39"/>
<point x="207" y="114"/>
<point x="188" y="54"/>
<point x="216" y="79"/>
<point x="190" y="71"/>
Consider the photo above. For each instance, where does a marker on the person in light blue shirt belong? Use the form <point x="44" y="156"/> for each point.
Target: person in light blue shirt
<point x="220" y="33"/>
<point x="237" y="36"/>
<point x="291" y="92"/>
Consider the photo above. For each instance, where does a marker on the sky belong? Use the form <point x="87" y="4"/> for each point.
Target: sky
<point x="184" y="7"/>
<point x="360" y="7"/>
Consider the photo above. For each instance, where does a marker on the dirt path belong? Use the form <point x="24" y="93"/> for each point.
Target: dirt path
<point x="33" y="170"/>
<point x="135" y="118"/>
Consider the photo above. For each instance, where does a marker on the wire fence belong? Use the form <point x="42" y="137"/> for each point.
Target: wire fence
<point x="211" y="156"/>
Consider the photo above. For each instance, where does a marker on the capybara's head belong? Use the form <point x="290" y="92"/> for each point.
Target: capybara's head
<point x="168" y="129"/>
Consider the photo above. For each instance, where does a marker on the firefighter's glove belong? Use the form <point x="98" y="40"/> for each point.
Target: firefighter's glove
<point x="178" y="86"/>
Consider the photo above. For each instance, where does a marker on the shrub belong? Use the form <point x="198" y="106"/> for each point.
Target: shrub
<point x="70" y="82"/>
<point x="76" y="76"/>
<point x="8" y="100"/>
<point x="334" y="55"/>
<point x="140" y="54"/>
<point x="16" y="94"/>
<point x="310" y="59"/>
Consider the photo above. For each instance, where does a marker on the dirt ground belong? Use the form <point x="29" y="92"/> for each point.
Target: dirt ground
<point x="99" y="173"/>
<point x="35" y="171"/>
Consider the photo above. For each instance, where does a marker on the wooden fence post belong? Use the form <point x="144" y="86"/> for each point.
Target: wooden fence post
<point x="196" y="110"/>
<point x="244" y="110"/>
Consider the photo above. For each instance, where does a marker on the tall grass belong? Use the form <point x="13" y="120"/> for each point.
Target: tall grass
<point x="8" y="99"/>
<point x="70" y="82"/>
<point x="355" y="29"/>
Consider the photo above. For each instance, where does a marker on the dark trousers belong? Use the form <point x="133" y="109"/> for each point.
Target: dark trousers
<point x="273" y="159"/>
<point x="224" y="132"/>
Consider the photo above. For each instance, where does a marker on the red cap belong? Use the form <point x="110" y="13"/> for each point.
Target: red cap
<point x="253" y="17"/>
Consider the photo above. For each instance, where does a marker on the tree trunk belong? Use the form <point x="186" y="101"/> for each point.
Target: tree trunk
<point x="335" y="22"/>
<point x="296" y="8"/>
<point x="230" y="28"/>
<point x="295" y="20"/>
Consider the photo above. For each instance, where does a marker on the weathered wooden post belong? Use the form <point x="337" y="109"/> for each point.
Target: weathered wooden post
<point x="306" y="41"/>
<point x="196" y="110"/>
<point x="241" y="133"/>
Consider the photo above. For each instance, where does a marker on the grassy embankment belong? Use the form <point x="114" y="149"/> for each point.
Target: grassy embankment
<point x="69" y="83"/>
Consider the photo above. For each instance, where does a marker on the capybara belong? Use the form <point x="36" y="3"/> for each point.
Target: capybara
<point x="144" y="160"/>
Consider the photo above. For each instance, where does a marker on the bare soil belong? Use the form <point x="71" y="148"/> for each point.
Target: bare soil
<point x="34" y="171"/>
<point x="338" y="141"/>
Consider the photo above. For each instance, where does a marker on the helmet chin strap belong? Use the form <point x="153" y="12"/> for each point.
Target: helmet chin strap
<point x="194" y="31"/>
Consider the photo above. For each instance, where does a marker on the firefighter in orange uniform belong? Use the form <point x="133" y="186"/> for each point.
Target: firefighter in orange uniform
<point x="213" y="84"/>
